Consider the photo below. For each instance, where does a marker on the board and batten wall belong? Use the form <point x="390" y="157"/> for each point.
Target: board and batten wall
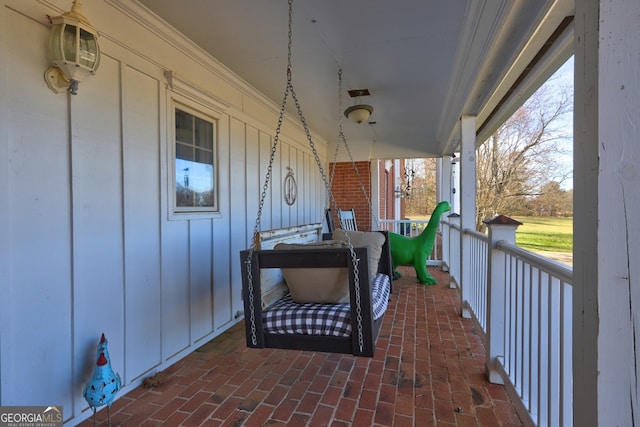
<point x="89" y="242"/>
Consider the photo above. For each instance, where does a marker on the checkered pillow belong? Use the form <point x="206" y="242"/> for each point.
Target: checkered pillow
<point x="380" y="289"/>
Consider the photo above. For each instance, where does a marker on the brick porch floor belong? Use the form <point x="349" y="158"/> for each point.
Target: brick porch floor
<point x="427" y="371"/>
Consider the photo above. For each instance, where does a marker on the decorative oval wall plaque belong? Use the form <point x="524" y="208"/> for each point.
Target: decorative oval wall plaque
<point x="290" y="188"/>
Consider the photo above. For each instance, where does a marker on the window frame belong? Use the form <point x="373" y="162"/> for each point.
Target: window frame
<point x="188" y="212"/>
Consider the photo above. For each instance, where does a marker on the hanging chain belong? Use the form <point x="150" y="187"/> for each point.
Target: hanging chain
<point x="265" y="187"/>
<point x="357" y="172"/>
<point x="335" y="153"/>
<point x="252" y="311"/>
<point x="356" y="272"/>
<point x="354" y="259"/>
<point x="342" y="140"/>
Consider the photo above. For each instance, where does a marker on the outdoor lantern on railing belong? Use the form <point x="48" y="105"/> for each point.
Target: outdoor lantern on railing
<point x="74" y="50"/>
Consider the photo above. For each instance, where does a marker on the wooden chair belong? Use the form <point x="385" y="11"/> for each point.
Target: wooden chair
<point x="348" y="219"/>
<point x="328" y="215"/>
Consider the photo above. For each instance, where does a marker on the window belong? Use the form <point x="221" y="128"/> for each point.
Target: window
<point x="195" y="178"/>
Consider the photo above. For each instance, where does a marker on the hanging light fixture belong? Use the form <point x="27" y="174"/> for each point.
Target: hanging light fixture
<point x="358" y="113"/>
<point x="74" y="49"/>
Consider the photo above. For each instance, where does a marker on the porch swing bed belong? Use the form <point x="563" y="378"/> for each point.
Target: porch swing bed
<point x="331" y="293"/>
<point x="350" y="327"/>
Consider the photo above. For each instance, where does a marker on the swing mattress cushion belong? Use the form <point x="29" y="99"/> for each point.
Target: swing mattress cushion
<point x="288" y="317"/>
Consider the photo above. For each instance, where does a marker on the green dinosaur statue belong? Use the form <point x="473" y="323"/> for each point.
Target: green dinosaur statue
<point x="415" y="250"/>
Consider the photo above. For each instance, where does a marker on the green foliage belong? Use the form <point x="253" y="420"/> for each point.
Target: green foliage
<point x="545" y="233"/>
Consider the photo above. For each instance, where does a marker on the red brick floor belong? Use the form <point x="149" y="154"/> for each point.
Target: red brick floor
<point x="427" y="371"/>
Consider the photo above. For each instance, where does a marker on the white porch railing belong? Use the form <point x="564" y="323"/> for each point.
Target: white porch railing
<point x="522" y="302"/>
<point x="477" y="280"/>
<point x="537" y="344"/>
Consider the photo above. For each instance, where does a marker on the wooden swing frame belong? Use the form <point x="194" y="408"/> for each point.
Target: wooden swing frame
<point x="319" y="258"/>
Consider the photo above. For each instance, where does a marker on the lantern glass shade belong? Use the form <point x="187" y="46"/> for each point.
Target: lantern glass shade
<point x="89" y="51"/>
<point x="358" y="113"/>
<point x="359" y="116"/>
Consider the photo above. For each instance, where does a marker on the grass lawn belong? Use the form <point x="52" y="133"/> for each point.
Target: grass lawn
<point x="539" y="233"/>
<point x="545" y="234"/>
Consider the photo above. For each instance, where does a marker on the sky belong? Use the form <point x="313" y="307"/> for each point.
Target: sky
<point x="564" y="77"/>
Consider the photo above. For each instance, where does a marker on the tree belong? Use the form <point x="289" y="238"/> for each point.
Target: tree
<point x="421" y="200"/>
<point x="553" y="201"/>
<point x="521" y="156"/>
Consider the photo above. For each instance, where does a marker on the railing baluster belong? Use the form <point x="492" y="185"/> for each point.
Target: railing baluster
<point x="531" y="343"/>
<point x="561" y="358"/>
<point x="535" y="410"/>
<point x="567" y="357"/>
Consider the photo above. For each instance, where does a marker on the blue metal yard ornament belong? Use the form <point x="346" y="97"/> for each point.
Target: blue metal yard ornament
<point x="104" y="384"/>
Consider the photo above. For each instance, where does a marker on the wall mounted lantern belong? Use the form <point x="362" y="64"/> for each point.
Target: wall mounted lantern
<point x="388" y="164"/>
<point x="74" y="50"/>
<point x="398" y="193"/>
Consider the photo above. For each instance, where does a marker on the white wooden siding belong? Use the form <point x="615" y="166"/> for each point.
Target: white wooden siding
<point x="92" y="244"/>
<point x="141" y="170"/>
<point x="200" y="278"/>
<point x="176" y="313"/>
<point x="221" y="237"/>
<point x="98" y="224"/>
<point x="37" y="314"/>
<point x="238" y="223"/>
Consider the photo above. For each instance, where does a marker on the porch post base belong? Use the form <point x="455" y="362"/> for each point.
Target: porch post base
<point x="466" y="313"/>
<point x="493" y="375"/>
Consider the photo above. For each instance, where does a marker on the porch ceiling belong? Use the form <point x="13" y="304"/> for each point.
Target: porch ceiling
<point x="425" y="62"/>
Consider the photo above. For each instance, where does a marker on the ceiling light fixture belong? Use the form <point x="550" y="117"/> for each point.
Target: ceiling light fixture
<point x="358" y="113"/>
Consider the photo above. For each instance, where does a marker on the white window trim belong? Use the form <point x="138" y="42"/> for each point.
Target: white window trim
<point x="205" y="113"/>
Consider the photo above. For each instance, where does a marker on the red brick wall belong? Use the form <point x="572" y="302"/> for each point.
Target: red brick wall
<point x="387" y="191"/>
<point x="347" y="191"/>
<point x="388" y="186"/>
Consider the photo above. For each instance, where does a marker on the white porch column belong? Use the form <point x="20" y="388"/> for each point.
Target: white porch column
<point x="501" y="228"/>
<point x="397" y="181"/>
<point x="375" y="194"/>
<point x="467" y="201"/>
<point x="606" y="268"/>
<point x="454" y="250"/>
<point x="455" y="185"/>
<point x="443" y="167"/>
<point x="444" y="193"/>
